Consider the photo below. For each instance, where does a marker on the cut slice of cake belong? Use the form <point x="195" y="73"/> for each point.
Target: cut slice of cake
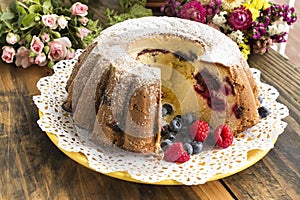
<point x="117" y="88"/>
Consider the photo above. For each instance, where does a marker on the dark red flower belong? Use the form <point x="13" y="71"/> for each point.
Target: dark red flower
<point x="240" y="18"/>
<point x="194" y="11"/>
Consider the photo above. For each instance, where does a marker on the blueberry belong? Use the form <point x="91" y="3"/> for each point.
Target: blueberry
<point x="188" y="147"/>
<point x="263" y="112"/>
<point x="170" y="136"/>
<point x="260" y="99"/>
<point x="188" y="118"/>
<point x="197" y="147"/>
<point x="164" y="112"/>
<point x="176" y="124"/>
<point x="166" y="109"/>
<point x="166" y="144"/>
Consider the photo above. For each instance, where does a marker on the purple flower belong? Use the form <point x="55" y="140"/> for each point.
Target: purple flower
<point x="213" y="7"/>
<point x="240" y="18"/>
<point x="194" y="11"/>
<point x="171" y="8"/>
<point x="284" y="13"/>
<point x="280" y="38"/>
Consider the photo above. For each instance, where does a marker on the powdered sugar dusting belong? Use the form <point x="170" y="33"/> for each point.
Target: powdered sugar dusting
<point x="122" y="34"/>
<point x="148" y="168"/>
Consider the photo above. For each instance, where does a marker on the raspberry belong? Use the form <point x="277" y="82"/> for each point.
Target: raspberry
<point x="199" y="130"/>
<point x="176" y="153"/>
<point x="223" y="136"/>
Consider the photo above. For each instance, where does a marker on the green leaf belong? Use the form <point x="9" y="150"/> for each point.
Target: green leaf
<point x="21" y="10"/>
<point x="57" y="3"/>
<point x="28" y="38"/>
<point x="8" y="25"/>
<point x="7" y="16"/>
<point x="13" y="6"/>
<point x="56" y="34"/>
<point x="28" y="21"/>
<point x="20" y="19"/>
<point x="47" y="7"/>
<point x="36" y="1"/>
<point x="34" y="9"/>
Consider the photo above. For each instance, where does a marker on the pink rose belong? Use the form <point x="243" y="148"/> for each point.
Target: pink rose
<point x="82" y="32"/>
<point x="79" y="9"/>
<point x="50" y="21"/>
<point x="12" y="38"/>
<point x="8" y="54"/>
<point x="22" y="57"/>
<point x="58" y="48"/>
<point x="62" y="22"/>
<point x="36" y="45"/>
<point x="70" y="54"/>
<point x="45" y="37"/>
<point x="41" y="59"/>
<point x="83" y="20"/>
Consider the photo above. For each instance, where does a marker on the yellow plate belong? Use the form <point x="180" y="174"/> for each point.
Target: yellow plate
<point x="253" y="156"/>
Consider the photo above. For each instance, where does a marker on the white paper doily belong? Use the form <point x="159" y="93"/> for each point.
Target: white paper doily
<point x="150" y="169"/>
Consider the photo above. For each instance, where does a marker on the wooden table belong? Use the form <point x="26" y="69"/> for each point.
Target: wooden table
<point x="32" y="167"/>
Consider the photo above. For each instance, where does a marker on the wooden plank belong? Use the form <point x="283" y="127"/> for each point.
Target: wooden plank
<point x="31" y="167"/>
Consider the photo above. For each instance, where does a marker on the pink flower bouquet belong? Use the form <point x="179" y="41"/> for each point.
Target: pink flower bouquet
<point x="44" y="32"/>
<point x="253" y="24"/>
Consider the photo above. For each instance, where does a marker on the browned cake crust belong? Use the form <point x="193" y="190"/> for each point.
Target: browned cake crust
<point x="70" y="83"/>
<point x="246" y="92"/>
<point x="129" y="127"/>
<point x="141" y="115"/>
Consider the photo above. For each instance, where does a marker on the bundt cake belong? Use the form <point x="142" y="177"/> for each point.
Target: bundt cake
<point x="120" y="82"/>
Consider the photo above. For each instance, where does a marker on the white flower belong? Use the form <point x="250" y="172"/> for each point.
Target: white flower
<point x="237" y="36"/>
<point x="220" y="19"/>
<point x="231" y="4"/>
<point x="62" y="22"/>
<point x="12" y="38"/>
<point x="275" y="29"/>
